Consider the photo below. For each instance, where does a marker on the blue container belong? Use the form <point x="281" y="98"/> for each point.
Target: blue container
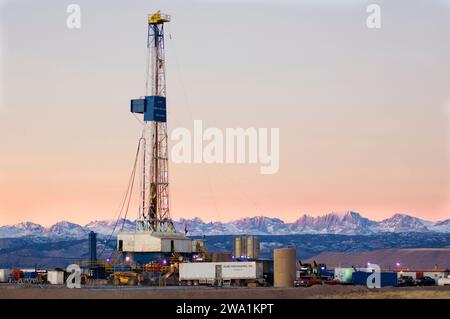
<point x="153" y="108"/>
<point x="387" y="278"/>
<point x="138" y="106"/>
<point x="29" y="275"/>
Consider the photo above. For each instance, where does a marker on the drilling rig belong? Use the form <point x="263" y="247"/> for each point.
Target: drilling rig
<point x="154" y="212"/>
<point x="155" y="235"/>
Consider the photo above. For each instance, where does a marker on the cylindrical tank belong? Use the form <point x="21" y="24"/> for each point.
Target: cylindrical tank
<point x="252" y="247"/>
<point x="238" y="247"/>
<point x="284" y="266"/>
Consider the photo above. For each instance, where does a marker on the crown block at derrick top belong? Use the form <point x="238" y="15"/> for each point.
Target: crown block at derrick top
<point x="153" y="108"/>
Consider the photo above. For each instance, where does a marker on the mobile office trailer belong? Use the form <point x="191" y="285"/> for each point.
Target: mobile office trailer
<point x="221" y="272"/>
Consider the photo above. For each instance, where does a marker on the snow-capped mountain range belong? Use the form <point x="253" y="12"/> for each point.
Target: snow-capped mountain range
<point x="346" y="223"/>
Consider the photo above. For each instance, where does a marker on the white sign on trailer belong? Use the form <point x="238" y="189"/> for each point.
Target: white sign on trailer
<point x="230" y="270"/>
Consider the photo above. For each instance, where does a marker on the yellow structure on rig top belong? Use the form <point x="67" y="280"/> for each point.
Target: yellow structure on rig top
<point x="158" y="17"/>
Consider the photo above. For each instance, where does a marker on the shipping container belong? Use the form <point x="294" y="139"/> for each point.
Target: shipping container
<point x="386" y="278"/>
<point x="4" y="275"/>
<point x="210" y="272"/>
<point x="55" y="277"/>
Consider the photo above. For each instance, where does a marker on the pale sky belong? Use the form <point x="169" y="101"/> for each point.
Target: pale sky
<point x="364" y="114"/>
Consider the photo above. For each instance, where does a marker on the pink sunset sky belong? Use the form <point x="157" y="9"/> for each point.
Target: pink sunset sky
<point x="363" y="114"/>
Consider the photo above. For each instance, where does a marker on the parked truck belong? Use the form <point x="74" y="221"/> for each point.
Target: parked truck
<point x="444" y="281"/>
<point x="240" y="273"/>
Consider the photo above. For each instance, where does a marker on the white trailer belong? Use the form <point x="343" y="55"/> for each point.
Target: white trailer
<point x="238" y="273"/>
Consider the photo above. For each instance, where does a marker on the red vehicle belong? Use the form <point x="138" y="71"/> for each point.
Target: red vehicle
<point x="16" y="275"/>
<point x="308" y="281"/>
<point x="331" y="281"/>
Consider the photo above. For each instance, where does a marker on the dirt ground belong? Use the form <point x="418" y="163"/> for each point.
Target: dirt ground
<point x="12" y="292"/>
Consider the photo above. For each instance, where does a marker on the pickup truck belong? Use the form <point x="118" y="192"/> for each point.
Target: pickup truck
<point x="444" y="281"/>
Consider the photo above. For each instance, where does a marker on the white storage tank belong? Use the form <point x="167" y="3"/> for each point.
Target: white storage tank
<point x="55" y="277"/>
<point x="4" y="275"/>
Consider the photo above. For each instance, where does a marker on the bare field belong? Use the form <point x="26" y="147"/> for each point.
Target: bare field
<point x="107" y="292"/>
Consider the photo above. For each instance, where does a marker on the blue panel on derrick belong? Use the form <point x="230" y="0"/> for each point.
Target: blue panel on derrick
<point x="155" y="109"/>
<point x="138" y="106"/>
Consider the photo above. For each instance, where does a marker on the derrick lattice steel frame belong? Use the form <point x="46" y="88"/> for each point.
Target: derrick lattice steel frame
<point x="154" y="212"/>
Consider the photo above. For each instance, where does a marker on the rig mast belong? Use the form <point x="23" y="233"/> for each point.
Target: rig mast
<point x="154" y="213"/>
